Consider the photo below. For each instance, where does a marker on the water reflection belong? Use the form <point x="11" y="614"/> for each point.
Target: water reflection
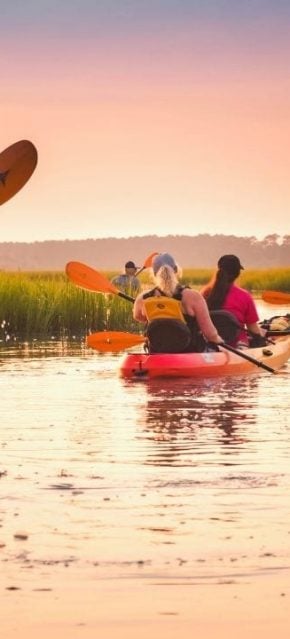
<point x="38" y="349"/>
<point x="183" y="420"/>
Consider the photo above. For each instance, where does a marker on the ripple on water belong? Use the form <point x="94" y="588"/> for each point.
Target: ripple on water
<point x="172" y="482"/>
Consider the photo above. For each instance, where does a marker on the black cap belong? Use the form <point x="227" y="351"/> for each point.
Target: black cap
<point x="130" y="264"/>
<point x="230" y="263"/>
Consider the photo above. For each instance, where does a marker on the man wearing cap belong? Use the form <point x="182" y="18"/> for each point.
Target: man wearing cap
<point x="223" y="293"/>
<point x="127" y="281"/>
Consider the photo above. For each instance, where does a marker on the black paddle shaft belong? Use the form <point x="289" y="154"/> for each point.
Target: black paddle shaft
<point x="126" y="297"/>
<point x="248" y="357"/>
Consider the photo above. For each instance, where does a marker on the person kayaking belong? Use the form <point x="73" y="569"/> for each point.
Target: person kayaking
<point x="177" y="318"/>
<point x="222" y="293"/>
<point x="127" y="281"/>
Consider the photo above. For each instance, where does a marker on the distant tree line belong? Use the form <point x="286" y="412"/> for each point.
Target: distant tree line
<point x="200" y="251"/>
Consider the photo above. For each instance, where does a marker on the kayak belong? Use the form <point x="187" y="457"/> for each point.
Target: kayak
<point x="206" y="364"/>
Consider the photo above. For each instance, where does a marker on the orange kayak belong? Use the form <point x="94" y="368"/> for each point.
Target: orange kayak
<point x="207" y="364"/>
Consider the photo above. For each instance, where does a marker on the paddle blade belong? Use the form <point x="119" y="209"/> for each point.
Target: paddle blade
<point x="147" y="263"/>
<point x="86" y="277"/>
<point x="276" y="297"/>
<point x="17" y="164"/>
<point x="113" y="341"/>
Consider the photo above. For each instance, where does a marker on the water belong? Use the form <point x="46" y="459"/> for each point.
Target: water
<point x="135" y="507"/>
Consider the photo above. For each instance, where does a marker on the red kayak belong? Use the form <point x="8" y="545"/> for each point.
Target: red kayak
<point x="206" y="364"/>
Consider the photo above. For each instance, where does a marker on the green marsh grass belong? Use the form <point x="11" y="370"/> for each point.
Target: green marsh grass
<point x="45" y="305"/>
<point x="255" y="280"/>
<point x="48" y="306"/>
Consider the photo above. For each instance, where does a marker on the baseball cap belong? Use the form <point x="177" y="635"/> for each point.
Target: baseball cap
<point x="163" y="259"/>
<point x="130" y="264"/>
<point x="230" y="263"/>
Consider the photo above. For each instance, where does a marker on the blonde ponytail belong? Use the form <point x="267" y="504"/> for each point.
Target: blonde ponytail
<point x="166" y="279"/>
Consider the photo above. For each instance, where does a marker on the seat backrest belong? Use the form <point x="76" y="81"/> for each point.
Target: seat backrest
<point x="226" y="324"/>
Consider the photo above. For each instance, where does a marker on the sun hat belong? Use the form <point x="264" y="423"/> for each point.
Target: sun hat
<point x="163" y="259"/>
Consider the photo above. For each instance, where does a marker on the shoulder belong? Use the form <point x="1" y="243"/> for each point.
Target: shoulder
<point x="139" y="298"/>
<point x="190" y="293"/>
<point x="192" y="297"/>
<point x="205" y="290"/>
<point x="240" y="292"/>
<point x="150" y="293"/>
<point x="242" y="297"/>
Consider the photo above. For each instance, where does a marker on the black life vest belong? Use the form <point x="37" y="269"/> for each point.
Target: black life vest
<point x="167" y="329"/>
<point x="175" y="335"/>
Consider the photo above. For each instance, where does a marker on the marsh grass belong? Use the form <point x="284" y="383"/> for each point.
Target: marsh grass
<point x="45" y="305"/>
<point x="48" y="306"/>
<point x="275" y="279"/>
<point x="254" y="280"/>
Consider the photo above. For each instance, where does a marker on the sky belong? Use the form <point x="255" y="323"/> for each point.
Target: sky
<point x="149" y="116"/>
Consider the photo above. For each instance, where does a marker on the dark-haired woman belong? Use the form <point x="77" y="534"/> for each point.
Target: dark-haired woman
<point x="223" y="294"/>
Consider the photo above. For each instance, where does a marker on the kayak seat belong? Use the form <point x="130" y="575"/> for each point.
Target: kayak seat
<point x="167" y="336"/>
<point x="226" y="324"/>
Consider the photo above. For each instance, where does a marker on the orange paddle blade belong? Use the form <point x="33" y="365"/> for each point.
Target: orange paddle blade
<point x="276" y="297"/>
<point x="17" y="164"/>
<point x="147" y="263"/>
<point x="86" y="277"/>
<point x="113" y="341"/>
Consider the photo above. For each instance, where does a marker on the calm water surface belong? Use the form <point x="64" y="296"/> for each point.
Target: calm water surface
<point x="136" y="484"/>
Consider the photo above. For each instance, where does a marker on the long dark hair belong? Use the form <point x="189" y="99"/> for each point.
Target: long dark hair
<point x="216" y="291"/>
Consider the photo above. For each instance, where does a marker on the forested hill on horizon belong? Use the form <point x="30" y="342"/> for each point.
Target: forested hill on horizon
<point x="201" y="251"/>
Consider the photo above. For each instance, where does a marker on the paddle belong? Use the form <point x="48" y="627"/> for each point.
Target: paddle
<point x="253" y="360"/>
<point x="17" y="164"/>
<point x="86" y="277"/>
<point x="114" y="341"/>
<point x="147" y="263"/>
<point x="276" y="297"/>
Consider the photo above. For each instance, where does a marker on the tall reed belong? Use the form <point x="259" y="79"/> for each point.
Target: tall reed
<point x="45" y="305"/>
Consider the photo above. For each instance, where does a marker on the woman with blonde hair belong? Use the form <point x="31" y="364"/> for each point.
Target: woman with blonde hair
<point x="176" y="316"/>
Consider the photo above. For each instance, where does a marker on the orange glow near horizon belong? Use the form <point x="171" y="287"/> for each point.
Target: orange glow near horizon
<point x="173" y="132"/>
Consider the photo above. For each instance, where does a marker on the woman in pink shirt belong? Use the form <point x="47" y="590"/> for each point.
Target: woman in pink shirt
<point x="164" y="334"/>
<point x="223" y="293"/>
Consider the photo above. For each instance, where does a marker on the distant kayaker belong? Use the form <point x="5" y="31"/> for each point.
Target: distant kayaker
<point x="177" y="318"/>
<point x="127" y="281"/>
<point x="223" y="293"/>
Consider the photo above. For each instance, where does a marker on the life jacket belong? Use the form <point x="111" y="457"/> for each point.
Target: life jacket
<point x="162" y="307"/>
<point x="167" y="330"/>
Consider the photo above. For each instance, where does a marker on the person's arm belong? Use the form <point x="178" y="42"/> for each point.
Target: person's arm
<point x="256" y="329"/>
<point x="195" y="305"/>
<point x="138" y="309"/>
<point x="252" y="318"/>
<point x="205" y="290"/>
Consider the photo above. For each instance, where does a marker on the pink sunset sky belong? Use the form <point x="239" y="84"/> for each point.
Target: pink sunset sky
<point x="150" y="117"/>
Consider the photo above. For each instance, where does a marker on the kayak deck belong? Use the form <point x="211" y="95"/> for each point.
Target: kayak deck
<point x="206" y="364"/>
